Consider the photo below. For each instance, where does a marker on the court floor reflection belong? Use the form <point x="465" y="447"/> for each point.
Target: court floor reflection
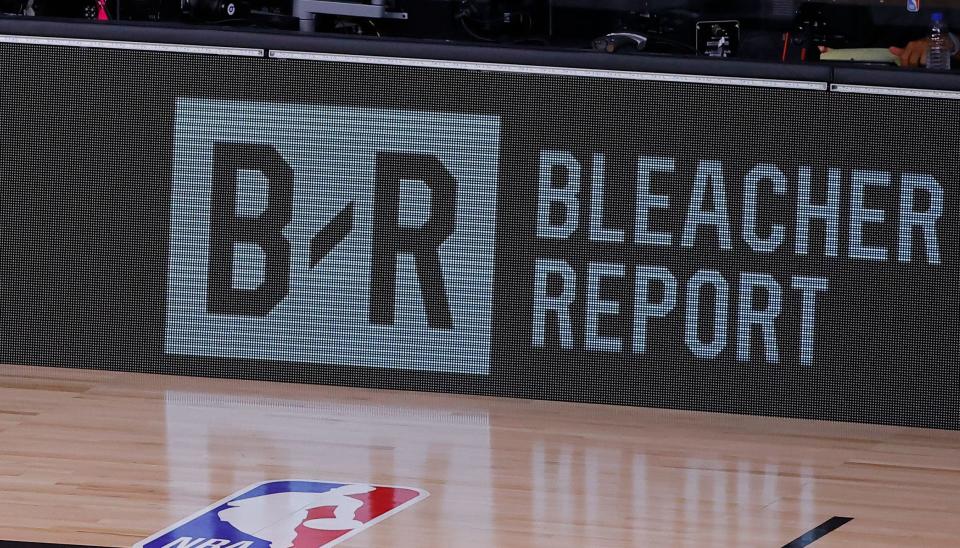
<point x="108" y="458"/>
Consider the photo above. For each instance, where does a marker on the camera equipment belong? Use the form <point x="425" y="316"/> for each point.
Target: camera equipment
<point x="614" y="41"/>
<point x="503" y="20"/>
<point x="307" y="10"/>
<point x="718" y="38"/>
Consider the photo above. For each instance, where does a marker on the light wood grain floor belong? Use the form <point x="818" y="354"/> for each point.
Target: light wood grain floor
<point x="108" y="458"/>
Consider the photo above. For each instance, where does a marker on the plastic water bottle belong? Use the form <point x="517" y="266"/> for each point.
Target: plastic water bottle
<point x="941" y="45"/>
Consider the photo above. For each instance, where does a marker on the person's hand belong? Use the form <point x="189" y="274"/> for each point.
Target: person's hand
<point x="914" y="54"/>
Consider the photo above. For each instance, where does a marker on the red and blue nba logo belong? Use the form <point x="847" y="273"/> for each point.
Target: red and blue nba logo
<point x="287" y="514"/>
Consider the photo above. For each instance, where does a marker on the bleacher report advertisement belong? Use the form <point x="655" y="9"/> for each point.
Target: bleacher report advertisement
<point x="688" y="245"/>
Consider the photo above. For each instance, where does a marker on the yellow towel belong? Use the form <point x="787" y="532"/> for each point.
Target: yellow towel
<point x="863" y="55"/>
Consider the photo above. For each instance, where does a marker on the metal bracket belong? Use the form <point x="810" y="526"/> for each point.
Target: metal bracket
<point x="305" y="10"/>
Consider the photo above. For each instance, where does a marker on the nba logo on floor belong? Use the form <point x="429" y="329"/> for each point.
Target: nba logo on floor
<point x="287" y="514"/>
<point x="332" y="235"/>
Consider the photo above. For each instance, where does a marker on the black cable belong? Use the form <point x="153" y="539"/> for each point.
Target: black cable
<point x="660" y="39"/>
<point x="474" y="35"/>
<point x="527" y="20"/>
<point x="373" y="25"/>
<point x="233" y="20"/>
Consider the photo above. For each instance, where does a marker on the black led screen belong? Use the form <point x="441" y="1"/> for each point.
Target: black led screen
<point x="555" y="235"/>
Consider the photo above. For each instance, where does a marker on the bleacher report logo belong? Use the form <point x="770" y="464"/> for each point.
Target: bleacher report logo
<point x="332" y="235"/>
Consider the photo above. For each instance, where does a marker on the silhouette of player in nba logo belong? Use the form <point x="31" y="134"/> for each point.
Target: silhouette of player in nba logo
<point x="275" y="517"/>
<point x="288" y="514"/>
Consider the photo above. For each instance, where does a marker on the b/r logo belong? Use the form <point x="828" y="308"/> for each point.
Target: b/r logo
<point x="332" y="235"/>
<point x="264" y="231"/>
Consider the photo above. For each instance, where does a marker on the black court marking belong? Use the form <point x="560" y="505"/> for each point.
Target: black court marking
<point x="817" y="532"/>
<point x="21" y="544"/>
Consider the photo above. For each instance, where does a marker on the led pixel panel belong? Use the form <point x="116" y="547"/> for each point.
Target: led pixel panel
<point x="545" y="234"/>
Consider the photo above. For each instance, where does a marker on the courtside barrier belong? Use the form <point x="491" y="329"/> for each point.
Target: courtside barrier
<point x="748" y="243"/>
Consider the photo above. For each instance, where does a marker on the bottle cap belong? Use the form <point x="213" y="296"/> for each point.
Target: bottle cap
<point x="937" y="17"/>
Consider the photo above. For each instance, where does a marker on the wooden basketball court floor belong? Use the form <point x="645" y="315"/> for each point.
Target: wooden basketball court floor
<point x="106" y="459"/>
